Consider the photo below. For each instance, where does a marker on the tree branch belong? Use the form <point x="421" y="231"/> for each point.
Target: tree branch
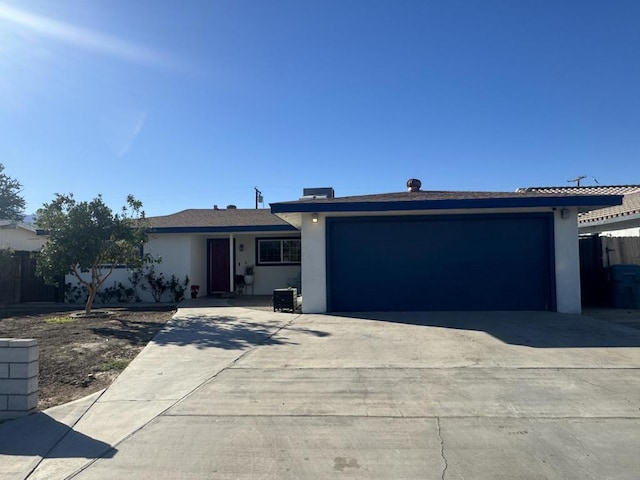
<point x="75" y="272"/>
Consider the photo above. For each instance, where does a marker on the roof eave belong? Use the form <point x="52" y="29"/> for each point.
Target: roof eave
<point x="14" y="225"/>
<point x="228" y="229"/>
<point x="583" y="202"/>
<point x="293" y="219"/>
<point x="615" y="219"/>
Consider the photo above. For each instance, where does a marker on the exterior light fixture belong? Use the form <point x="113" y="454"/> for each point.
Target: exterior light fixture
<point x="241" y="247"/>
<point x="314" y="218"/>
<point x="564" y="213"/>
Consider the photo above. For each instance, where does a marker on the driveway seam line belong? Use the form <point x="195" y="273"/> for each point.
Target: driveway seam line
<point x="69" y="429"/>
<point x="471" y="368"/>
<point x="455" y="417"/>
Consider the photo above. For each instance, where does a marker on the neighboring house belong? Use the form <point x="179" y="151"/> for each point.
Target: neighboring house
<point x="20" y="237"/>
<point x="214" y="246"/>
<point x="431" y="250"/>
<point x="615" y="221"/>
<point x="19" y="283"/>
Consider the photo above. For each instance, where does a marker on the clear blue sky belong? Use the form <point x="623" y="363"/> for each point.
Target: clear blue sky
<point x="187" y="104"/>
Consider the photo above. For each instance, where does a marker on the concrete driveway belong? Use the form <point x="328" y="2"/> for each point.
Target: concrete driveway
<point x="233" y="393"/>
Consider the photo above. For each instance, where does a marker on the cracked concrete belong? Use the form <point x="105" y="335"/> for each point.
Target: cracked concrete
<point x="444" y="458"/>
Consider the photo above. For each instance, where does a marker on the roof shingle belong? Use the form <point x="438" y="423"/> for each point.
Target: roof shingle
<point x="209" y="217"/>
<point x="429" y="195"/>
<point x="588" y="190"/>
<point x="445" y="200"/>
<point x="630" y="206"/>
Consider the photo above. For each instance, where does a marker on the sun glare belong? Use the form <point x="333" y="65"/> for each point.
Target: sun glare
<point x="81" y="37"/>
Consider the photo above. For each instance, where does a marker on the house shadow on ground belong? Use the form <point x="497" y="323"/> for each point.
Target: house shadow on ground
<point x="530" y="329"/>
<point x="39" y="435"/>
<point x="229" y="333"/>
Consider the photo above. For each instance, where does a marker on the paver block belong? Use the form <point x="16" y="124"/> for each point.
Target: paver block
<point x="18" y="386"/>
<point x="10" y="415"/>
<point x="23" y="370"/>
<point x="4" y="370"/>
<point x="22" y="342"/>
<point x="23" y="402"/>
<point x="14" y="354"/>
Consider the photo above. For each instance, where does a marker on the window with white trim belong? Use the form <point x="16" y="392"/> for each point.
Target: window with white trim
<point x="278" y="251"/>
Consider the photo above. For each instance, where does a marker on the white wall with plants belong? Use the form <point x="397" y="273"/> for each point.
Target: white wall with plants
<point x="183" y="264"/>
<point x="166" y="280"/>
<point x="148" y="284"/>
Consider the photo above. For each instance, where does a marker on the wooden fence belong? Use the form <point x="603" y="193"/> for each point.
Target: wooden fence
<point x="620" y="251"/>
<point x="19" y="283"/>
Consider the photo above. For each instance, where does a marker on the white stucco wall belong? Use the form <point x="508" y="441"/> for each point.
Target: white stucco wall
<point x="247" y="256"/>
<point x="21" y="239"/>
<point x="119" y="275"/>
<point x="314" y="265"/>
<point x="266" y="277"/>
<point x="198" y="264"/>
<point x="175" y="251"/>
<point x="567" y="262"/>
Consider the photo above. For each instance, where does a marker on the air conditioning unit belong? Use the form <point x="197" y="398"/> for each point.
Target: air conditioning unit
<point x="320" y="192"/>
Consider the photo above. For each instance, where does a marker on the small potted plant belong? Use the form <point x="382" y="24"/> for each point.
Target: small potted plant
<point x="248" y="274"/>
<point x="194" y="290"/>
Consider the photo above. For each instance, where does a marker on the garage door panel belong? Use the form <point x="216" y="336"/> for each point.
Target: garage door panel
<point x="448" y="263"/>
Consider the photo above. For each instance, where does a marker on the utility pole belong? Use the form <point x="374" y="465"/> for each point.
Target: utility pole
<point x="259" y="198"/>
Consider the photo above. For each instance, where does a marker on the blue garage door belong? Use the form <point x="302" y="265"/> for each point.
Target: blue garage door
<point x="470" y="262"/>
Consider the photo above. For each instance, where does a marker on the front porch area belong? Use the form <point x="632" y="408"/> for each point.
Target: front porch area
<point x="253" y="302"/>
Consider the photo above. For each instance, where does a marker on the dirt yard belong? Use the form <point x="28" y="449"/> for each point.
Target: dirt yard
<point x="79" y="356"/>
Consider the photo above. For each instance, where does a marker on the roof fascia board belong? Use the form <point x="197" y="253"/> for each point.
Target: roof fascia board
<point x="237" y="229"/>
<point x="595" y="201"/>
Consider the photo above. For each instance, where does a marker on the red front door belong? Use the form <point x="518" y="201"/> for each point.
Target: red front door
<point x="219" y="265"/>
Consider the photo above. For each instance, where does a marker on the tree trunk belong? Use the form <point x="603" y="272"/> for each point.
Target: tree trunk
<point x="90" y="298"/>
